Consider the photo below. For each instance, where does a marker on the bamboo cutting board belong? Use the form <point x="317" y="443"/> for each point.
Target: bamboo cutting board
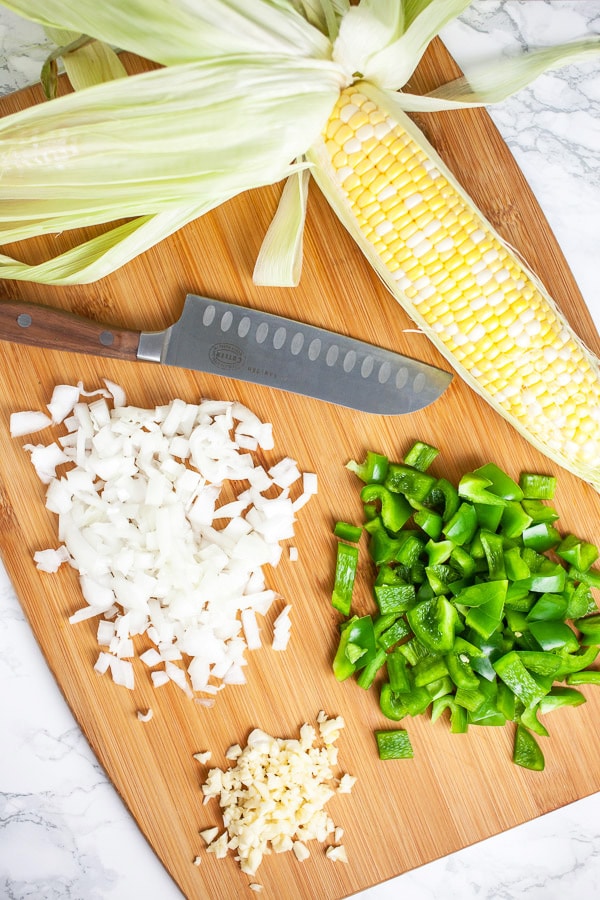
<point x="401" y="814"/>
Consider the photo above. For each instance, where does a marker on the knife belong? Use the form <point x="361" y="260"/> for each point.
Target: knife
<point x="225" y="339"/>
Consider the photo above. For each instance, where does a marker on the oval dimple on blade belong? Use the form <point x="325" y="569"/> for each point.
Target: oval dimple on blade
<point x="331" y="357"/>
<point x="314" y="349"/>
<point x="401" y="377"/>
<point x="349" y="361"/>
<point x="244" y="326"/>
<point x="384" y="374"/>
<point x="261" y="333"/>
<point x="208" y="315"/>
<point x="226" y="320"/>
<point x="297" y="343"/>
<point x="279" y="337"/>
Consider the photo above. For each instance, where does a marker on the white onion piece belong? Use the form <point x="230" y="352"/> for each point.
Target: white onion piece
<point x="51" y="560"/>
<point x="27" y="422"/>
<point x="64" y="398"/>
<point x="169" y="521"/>
<point x="145" y="716"/>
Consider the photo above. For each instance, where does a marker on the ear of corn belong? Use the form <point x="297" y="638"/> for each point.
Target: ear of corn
<point x="458" y="280"/>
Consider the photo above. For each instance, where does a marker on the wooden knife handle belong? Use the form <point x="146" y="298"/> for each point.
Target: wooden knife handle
<point x="56" y="329"/>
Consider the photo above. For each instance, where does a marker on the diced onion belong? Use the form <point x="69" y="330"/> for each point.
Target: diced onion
<point x="169" y="521"/>
<point x="27" y="422"/>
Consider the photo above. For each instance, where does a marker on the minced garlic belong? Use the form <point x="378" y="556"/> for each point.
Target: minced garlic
<point x="273" y="800"/>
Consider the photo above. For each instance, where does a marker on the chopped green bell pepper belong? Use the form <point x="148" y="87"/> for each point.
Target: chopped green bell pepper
<point x="527" y="752"/>
<point x="434" y="623"/>
<point x="345" y="576"/>
<point x="394" y="744"/>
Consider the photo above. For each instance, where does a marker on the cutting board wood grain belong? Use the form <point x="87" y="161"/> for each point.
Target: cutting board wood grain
<point x="401" y="814"/>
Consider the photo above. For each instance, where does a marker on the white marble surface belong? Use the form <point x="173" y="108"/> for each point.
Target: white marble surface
<point x="64" y="832"/>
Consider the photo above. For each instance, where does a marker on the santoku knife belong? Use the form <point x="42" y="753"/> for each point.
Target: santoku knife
<point x="237" y="342"/>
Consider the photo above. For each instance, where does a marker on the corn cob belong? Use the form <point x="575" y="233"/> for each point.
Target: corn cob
<point x="486" y="313"/>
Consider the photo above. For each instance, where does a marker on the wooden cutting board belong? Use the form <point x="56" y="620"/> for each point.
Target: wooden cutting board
<point x="458" y="789"/>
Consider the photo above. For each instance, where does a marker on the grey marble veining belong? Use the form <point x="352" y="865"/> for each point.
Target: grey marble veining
<point x="64" y="832"/>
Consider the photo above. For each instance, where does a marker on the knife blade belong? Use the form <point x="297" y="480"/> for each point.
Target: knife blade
<point x="233" y="341"/>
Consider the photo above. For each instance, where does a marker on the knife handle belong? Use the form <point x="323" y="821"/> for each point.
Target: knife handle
<point x="57" y="329"/>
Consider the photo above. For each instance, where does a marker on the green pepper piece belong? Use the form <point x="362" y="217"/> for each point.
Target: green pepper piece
<point x="421" y="455"/>
<point x="381" y="623"/>
<point x="373" y="469"/>
<point x="469" y="698"/>
<point x="347" y="532"/>
<point x="430" y="521"/>
<point x="575" y="662"/>
<point x="444" y="497"/>
<point x="460" y="669"/>
<point x="578" y="553"/>
<point x="382" y="547"/>
<point x="370" y="670"/>
<point x="529" y="718"/>
<point x="397" y="670"/>
<point x="537" y="487"/>
<point x="514" y="519"/>
<point x="394" y="598"/>
<point x="458" y="714"/>
<point x="463" y="562"/>
<point x="488" y="517"/>
<point x="527" y="752"/>
<point x="462" y="526"/>
<point x="413" y="650"/>
<point x="474" y="488"/>
<point x="590" y="576"/>
<point x="440" y="578"/>
<point x="487" y="713"/>
<point x="417" y="700"/>
<point x="514" y="674"/>
<point x="519" y="597"/>
<point x="539" y="511"/>
<point x="480" y="593"/>
<point x="391" y="703"/>
<point x="393" y="634"/>
<point x="486" y="618"/>
<point x="493" y="547"/>
<point x="412" y="483"/>
<point x="586" y="677"/>
<point x="410" y="549"/>
<point x="438" y="551"/>
<point x="540" y="662"/>
<point x="514" y="565"/>
<point x="580" y="601"/>
<point x="561" y="696"/>
<point x="394" y="744"/>
<point x="345" y="575"/>
<point x="554" y="636"/>
<point x="343" y="668"/>
<point x="356" y="635"/>
<point x="506" y="702"/>
<point x="516" y="621"/>
<point x="439" y="688"/>
<point x="428" y="670"/>
<point x="549" y="607"/>
<point x="395" y="510"/>
<point x="499" y="482"/>
<point x="550" y="578"/>
<point x="434" y="623"/>
<point x="541" y="537"/>
<point x="589" y="626"/>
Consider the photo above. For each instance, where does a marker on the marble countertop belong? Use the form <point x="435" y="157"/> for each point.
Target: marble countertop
<point x="64" y="831"/>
